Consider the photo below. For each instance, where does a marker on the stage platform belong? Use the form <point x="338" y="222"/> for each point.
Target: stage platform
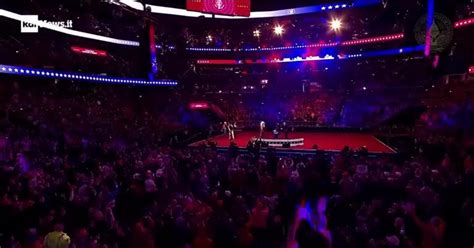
<point x="326" y="141"/>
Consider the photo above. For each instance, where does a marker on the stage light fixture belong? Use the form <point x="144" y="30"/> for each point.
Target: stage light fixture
<point x="256" y="33"/>
<point x="278" y="30"/>
<point x="336" y="25"/>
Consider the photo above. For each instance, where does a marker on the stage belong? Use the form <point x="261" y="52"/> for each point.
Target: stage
<point x="326" y="141"/>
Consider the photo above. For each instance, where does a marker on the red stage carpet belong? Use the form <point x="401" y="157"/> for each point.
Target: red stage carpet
<point x="325" y="141"/>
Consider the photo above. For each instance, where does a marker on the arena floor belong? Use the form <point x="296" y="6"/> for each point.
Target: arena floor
<point x="327" y="141"/>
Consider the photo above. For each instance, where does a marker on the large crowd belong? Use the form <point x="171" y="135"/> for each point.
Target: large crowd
<point x="299" y="109"/>
<point x="77" y="171"/>
<point x="106" y="166"/>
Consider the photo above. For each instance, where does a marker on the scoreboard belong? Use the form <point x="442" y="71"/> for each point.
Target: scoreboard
<point x="220" y="7"/>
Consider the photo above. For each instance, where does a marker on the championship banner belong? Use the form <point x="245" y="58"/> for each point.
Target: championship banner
<point x="220" y="7"/>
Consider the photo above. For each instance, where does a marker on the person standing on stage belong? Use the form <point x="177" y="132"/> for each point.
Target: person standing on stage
<point x="262" y="129"/>
<point x="232" y="127"/>
<point x="276" y="131"/>
<point x="225" y="128"/>
<point x="285" y="129"/>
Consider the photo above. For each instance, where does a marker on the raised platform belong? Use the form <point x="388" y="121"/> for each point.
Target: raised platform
<point x="326" y="141"/>
<point x="281" y="142"/>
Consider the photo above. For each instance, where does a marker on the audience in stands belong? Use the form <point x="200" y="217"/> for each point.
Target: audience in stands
<point x="68" y="181"/>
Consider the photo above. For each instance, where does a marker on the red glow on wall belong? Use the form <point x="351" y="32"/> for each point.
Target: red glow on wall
<point x="471" y="69"/>
<point x="199" y="105"/>
<point x="90" y="51"/>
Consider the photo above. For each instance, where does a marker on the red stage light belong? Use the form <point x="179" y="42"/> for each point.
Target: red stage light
<point x="464" y="22"/>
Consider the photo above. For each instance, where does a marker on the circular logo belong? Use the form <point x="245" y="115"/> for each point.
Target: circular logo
<point x="441" y="32"/>
<point x="219" y="5"/>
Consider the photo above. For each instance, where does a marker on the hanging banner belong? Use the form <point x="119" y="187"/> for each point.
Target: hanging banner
<point x="220" y="7"/>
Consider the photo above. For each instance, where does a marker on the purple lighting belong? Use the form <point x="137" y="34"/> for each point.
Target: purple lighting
<point x="377" y="39"/>
<point x="379" y="53"/>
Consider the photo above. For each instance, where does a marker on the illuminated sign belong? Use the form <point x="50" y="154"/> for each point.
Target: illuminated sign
<point x="220" y="7"/>
<point x="90" y="51"/>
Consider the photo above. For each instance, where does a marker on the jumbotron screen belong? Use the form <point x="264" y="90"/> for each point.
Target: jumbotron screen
<point x="220" y="7"/>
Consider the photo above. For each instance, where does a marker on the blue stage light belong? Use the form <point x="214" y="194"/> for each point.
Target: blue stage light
<point x="48" y="73"/>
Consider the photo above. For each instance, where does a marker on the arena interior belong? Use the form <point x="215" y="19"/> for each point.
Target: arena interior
<point x="236" y="123"/>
